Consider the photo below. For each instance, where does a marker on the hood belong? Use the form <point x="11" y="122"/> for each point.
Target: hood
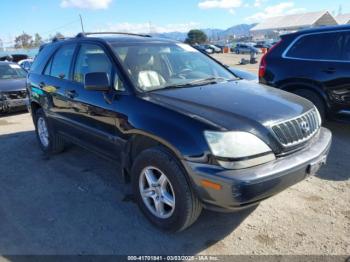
<point x="226" y="104"/>
<point x="9" y="85"/>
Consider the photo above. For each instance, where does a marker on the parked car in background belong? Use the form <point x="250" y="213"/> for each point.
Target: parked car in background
<point x="263" y="45"/>
<point x="13" y="94"/>
<point x="14" y="57"/>
<point x="215" y="48"/>
<point x="220" y="46"/>
<point x="184" y="129"/>
<point x="242" y="74"/>
<point x="26" y="64"/>
<point x="204" y="48"/>
<point x="242" y="48"/>
<point x="319" y="72"/>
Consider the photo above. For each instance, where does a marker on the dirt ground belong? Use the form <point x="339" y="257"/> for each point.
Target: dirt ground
<point x="74" y="203"/>
<point x="234" y="60"/>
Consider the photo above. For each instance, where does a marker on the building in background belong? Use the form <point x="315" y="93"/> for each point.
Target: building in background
<point x="343" y="19"/>
<point x="273" y="27"/>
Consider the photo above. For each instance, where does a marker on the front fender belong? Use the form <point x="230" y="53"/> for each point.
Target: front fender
<point x="180" y="133"/>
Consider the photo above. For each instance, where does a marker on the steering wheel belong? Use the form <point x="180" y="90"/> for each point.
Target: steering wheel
<point x="182" y="74"/>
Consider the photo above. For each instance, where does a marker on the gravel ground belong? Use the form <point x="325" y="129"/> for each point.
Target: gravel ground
<point x="74" y="203"/>
<point x="234" y="60"/>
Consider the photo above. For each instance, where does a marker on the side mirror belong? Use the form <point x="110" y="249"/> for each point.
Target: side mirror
<point x="98" y="81"/>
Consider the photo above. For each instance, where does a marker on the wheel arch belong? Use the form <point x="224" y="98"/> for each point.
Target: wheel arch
<point x="34" y="106"/>
<point x="140" y="141"/>
<point x="292" y="87"/>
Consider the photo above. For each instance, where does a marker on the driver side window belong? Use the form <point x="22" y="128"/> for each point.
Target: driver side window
<point x="93" y="59"/>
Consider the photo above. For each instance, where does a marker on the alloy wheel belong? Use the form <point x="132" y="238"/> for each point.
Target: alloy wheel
<point x="157" y="192"/>
<point x="43" y="132"/>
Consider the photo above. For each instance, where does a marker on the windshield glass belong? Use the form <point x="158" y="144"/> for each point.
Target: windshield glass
<point x="159" y="66"/>
<point x="11" y="71"/>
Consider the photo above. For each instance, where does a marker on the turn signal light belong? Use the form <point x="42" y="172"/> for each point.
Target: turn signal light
<point x="212" y="185"/>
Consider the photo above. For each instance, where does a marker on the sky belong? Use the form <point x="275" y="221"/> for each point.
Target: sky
<point x="47" y="17"/>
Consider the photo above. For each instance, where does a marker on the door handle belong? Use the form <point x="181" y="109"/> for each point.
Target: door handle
<point x="330" y="70"/>
<point x="71" y="93"/>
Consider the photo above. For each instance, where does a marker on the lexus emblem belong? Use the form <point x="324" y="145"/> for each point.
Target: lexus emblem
<point x="305" y="127"/>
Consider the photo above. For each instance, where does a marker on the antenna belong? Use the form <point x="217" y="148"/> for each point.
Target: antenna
<point x="82" y="24"/>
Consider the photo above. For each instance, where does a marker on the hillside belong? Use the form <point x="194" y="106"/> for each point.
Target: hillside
<point x="237" y="30"/>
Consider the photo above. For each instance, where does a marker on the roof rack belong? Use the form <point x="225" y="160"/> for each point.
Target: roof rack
<point x="110" y="33"/>
<point x="56" y="39"/>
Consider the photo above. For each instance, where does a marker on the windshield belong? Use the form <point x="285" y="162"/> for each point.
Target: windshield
<point x="160" y="66"/>
<point x="11" y="71"/>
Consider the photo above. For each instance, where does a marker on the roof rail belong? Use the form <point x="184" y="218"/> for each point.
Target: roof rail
<point x="110" y="33"/>
<point x="56" y="39"/>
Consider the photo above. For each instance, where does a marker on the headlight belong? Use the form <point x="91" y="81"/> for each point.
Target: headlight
<point x="236" y="150"/>
<point x="318" y="116"/>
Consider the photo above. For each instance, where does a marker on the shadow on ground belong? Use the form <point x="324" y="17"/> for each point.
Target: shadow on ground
<point x="337" y="168"/>
<point x="2" y="115"/>
<point x="74" y="203"/>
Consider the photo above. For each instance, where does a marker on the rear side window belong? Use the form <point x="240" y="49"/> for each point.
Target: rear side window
<point x="41" y="60"/>
<point x="325" y="46"/>
<point x="61" y="62"/>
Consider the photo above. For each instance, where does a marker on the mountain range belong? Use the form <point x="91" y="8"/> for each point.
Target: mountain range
<point x="214" y="34"/>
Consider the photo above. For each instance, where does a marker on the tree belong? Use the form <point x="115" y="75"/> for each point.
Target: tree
<point x="38" y="40"/>
<point x="23" y="41"/>
<point x="196" y="37"/>
<point x="58" y="35"/>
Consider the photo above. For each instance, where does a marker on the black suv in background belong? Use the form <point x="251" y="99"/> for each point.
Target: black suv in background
<point x="184" y="129"/>
<point x="314" y="64"/>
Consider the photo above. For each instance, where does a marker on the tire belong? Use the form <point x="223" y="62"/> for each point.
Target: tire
<point x="55" y="143"/>
<point x="315" y="99"/>
<point x="187" y="206"/>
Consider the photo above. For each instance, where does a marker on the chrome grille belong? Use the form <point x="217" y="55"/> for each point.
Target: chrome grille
<point x="297" y="130"/>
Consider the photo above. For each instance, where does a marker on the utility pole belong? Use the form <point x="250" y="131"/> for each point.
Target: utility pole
<point x="340" y="10"/>
<point x="82" y="24"/>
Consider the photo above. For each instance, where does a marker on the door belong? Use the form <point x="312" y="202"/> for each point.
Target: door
<point x="55" y="81"/>
<point x="324" y="57"/>
<point x="94" y="113"/>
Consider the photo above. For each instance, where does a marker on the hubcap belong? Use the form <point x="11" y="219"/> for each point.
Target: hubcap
<point x="43" y="132"/>
<point x="157" y="192"/>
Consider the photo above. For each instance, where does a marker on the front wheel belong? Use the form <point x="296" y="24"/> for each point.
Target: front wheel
<point x="163" y="192"/>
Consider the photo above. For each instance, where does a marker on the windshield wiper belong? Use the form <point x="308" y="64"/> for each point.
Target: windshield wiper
<point x="209" y="80"/>
<point x="199" y="82"/>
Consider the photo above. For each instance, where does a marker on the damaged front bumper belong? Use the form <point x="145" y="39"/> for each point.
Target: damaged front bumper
<point x="9" y="105"/>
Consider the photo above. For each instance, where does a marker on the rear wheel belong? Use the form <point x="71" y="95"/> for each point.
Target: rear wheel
<point x="315" y="99"/>
<point x="50" y="142"/>
<point x="163" y="192"/>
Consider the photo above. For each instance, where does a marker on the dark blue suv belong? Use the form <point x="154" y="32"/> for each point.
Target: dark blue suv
<point x="314" y="64"/>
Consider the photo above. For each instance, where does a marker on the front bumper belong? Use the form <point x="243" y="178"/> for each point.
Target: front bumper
<point x="13" y="104"/>
<point x="246" y="187"/>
